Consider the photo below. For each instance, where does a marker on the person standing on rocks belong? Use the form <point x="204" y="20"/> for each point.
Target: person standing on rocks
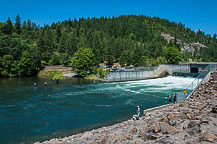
<point x="138" y="110"/>
<point x="136" y="117"/>
<point x="174" y="98"/>
<point x="169" y="99"/>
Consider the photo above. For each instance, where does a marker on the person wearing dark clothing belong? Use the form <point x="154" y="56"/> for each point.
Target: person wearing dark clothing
<point x="169" y="99"/>
<point x="174" y="98"/>
<point x="136" y="117"/>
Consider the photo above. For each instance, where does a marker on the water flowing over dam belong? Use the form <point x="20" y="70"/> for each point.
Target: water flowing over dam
<point x="159" y="71"/>
<point x="29" y="114"/>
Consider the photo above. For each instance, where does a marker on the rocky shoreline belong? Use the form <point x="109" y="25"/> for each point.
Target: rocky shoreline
<point x="191" y="121"/>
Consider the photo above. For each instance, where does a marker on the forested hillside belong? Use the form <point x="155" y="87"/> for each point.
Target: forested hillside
<point x="128" y="40"/>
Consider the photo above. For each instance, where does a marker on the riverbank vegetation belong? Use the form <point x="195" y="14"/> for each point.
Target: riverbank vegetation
<point x="56" y="75"/>
<point x="83" y="62"/>
<point x="26" y="47"/>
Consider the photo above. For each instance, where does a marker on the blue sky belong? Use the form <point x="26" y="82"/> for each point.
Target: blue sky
<point x="193" y="13"/>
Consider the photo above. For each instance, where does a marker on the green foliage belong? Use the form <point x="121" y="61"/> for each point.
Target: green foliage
<point x="18" y="24"/>
<point x="172" y="54"/>
<point x="94" y="70"/>
<point x="125" y="58"/>
<point x="6" y="65"/>
<point x="7" y="27"/>
<point x="83" y="61"/>
<point x="128" y="40"/>
<point x="25" y="66"/>
<point x="155" y="62"/>
<point x="65" y="59"/>
<point x="56" y="75"/>
<point x="55" y="59"/>
<point x="142" y="61"/>
<point x="151" y="62"/>
<point x="102" y="73"/>
<point x="161" y="60"/>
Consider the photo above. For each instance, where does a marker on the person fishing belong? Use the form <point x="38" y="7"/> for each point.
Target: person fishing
<point x="35" y="84"/>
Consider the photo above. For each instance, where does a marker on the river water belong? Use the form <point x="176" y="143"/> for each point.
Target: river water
<point x="29" y="114"/>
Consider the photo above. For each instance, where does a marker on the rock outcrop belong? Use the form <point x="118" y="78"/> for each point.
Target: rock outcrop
<point x="185" y="47"/>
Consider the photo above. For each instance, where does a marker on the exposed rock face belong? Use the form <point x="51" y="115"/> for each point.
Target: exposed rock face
<point x="192" y="121"/>
<point x="185" y="47"/>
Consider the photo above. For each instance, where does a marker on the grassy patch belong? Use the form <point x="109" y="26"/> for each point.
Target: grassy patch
<point x="91" y="77"/>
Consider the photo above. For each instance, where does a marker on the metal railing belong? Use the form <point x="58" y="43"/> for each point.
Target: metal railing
<point x="134" y="69"/>
<point x="198" y="63"/>
<point x="175" y="67"/>
<point x="182" y="95"/>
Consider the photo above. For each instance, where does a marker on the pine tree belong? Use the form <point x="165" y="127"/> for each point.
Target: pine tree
<point x="214" y="38"/>
<point x="24" y="25"/>
<point x="58" y="33"/>
<point x="18" y="24"/>
<point x="10" y="26"/>
<point x="29" y="24"/>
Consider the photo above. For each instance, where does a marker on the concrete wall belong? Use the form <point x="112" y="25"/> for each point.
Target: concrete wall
<point x="137" y="75"/>
<point x="125" y="76"/>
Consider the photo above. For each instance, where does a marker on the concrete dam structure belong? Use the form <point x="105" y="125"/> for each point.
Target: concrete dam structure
<point x="158" y="71"/>
<point x="154" y="72"/>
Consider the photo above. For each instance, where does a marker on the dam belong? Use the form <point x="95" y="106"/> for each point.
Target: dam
<point x="198" y="71"/>
<point x="159" y="71"/>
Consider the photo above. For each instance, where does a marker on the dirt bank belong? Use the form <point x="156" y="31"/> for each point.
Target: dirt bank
<point x="63" y="69"/>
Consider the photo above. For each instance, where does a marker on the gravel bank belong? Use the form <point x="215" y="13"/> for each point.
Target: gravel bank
<point x="192" y="121"/>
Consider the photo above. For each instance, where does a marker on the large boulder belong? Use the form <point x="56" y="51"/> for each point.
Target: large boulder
<point x="207" y="137"/>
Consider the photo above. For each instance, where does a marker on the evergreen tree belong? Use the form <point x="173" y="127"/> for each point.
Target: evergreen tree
<point x="58" y="33"/>
<point x="29" y="25"/>
<point x="214" y="39"/>
<point x="10" y="26"/>
<point x="18" y="24"/>
<point x="129" y="40"/>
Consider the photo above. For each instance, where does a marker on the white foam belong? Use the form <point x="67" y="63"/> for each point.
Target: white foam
<point x="143" y="86"/>
<point x="170" y="82"/>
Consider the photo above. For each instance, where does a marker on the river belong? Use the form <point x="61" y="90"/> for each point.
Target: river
<point x="29" y="114"/>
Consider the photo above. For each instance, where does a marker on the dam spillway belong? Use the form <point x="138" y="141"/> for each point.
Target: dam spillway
<point x="139" y="73"/>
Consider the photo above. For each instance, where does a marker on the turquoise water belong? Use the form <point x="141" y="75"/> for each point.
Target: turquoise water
<point x="29" y="114"/>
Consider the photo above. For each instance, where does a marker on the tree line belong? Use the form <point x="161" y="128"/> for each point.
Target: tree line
<point x="134" y="40"/>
